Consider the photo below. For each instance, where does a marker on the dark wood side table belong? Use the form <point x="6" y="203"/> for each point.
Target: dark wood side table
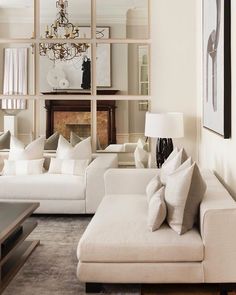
<point x="14" y="248"/>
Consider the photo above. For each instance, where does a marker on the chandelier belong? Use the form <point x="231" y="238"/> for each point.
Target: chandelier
<point x="62" y="28"/>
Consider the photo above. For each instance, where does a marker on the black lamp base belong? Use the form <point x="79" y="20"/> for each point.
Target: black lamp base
<point x="164" y="148"/>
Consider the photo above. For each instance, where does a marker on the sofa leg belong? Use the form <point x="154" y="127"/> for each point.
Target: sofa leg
<point x="93" y="287"/>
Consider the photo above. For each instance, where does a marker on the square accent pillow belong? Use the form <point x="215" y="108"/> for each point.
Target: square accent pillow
<point x="74" y="138"/>
<point x="81" y="151"/>
<point x="51" y="143"/>
<point x="174" y="160"/>
<point x="70" y="167"/>
<point x="185" y="189"/>
<point x="32" y="151"/>
<point x="5" y="139"/>
<point x="141" y="158"/>
<point x="153" y="186"/>
<point x="156" y="210"/>
<point x="142" y="144"/>
<point x="23" y="167"/>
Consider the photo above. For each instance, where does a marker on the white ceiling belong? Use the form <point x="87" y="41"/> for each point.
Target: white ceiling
<point x="16" y="3"/>
<point x="45" y="4"/>
<point x="114" y="10"/>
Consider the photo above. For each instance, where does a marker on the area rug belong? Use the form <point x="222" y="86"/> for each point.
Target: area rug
<point x="51" y="269"/>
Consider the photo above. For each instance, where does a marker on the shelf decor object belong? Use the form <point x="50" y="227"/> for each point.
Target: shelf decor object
<point x="62" y="28"/>
<point x="164" y="127"/>
<point x="14" y="248"/>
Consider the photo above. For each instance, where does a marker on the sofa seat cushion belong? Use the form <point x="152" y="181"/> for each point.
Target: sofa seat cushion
<point x="119" y="233"/>
<point x="42" y="187"/>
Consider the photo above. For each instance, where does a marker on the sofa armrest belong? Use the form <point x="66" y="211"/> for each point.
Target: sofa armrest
<point x="218" y="226"/>
<point x="128" y="181"/>
<point x="94" y="174"/>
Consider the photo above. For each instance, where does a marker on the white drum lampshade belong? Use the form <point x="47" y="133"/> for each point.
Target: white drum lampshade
<point x="164" y="127"/>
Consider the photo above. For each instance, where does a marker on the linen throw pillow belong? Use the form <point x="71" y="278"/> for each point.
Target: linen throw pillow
<point x="142" y="144"/>
<point x="81" y="151"/>
<point x="141" y="158"/>
<point x="33" y="151"/>
<point x="171" y="164"/>
<point x="184" y="192"/>
<point x="23" y="167"/>
<point x="74" y="138"/>
<point x="51" y="143"/>
<point x="70" y="167"/>
<point x="153" y="186"/>
<point x="156" y="210"/>
<point x="5" y="140"/>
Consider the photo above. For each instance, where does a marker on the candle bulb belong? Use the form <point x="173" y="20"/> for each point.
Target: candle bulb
<point x="47" y="29"/>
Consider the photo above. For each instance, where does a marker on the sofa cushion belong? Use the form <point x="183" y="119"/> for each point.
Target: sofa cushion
<point x="42" y="187"/>
<point x="185" y="189"/>
<point x="23" y="167"/>
<point x="157" y="210"/>
<point x="153" y="186"/>
<point x="51" y="143"/>
<point x="81" y="151"/>
<point x="5" y="140"/>
<point x="118" y="233"/>
<point x="174" y="160"/>
<point x="69" y="167"/>
<point x="33" y="151"/>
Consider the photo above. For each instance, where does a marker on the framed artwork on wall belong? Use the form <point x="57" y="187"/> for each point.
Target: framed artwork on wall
<point x="217" y="66"/>
<point x="103" y="59"/>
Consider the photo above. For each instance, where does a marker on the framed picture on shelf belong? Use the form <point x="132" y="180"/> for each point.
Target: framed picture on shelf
<point x="217" y="66"/>
<point x="103" y="66"/>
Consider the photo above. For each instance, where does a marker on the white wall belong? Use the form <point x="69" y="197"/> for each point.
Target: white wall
<point x="216" y="153"/>
<point x="174" y="65"/>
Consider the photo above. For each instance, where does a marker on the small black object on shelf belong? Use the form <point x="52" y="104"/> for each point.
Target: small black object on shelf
<point x="164" y="148"/>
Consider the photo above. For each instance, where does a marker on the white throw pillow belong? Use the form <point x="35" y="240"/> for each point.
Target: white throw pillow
<point x="153" y="186"/>
<point x="184" y="192"/>
<point x="142" y="144"/>
<point x="141" y="158"/>
<point x="156" y="210"/>
<point x="32" y="151"/>
<point x="70" y="167"/>
<point x="81" y="151"/>
<point x="171" y="164"/>
<point x="23" y="167"/>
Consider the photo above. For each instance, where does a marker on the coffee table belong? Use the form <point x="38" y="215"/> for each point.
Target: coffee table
<point x="14" y="248"/>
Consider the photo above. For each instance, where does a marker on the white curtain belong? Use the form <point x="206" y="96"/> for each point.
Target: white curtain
<point x="15" y="77"/>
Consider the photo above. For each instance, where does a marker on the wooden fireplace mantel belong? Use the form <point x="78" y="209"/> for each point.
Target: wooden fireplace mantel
<point x="108" y="106"/>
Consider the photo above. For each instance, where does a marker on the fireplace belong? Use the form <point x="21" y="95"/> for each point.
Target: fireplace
<point x="65" y="116"/>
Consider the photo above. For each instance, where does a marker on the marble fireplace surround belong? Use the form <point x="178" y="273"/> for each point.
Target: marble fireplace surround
<point x="75" y="115"/>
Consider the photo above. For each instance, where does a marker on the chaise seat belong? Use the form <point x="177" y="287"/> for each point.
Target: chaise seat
<point x="118" y="233"/>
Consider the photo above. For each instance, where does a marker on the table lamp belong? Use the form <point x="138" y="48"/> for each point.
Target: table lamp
<point x="164" y="127"/>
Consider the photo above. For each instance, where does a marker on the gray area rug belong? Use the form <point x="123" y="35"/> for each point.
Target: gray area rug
<point x="51" y="269"/>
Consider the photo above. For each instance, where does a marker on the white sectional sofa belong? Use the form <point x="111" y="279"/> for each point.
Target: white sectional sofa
<point x="57" y="193"/>
<point x="117" y="246"/>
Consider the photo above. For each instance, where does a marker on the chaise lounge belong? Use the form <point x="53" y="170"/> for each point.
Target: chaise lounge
<point x="117" y="247"/>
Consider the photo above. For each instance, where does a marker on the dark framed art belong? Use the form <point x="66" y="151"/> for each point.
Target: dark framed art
<point x="217" y="66"/>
